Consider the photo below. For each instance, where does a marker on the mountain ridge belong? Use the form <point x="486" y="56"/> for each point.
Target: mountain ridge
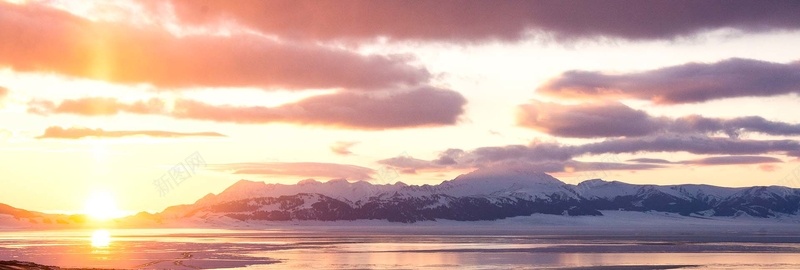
<point x="484" y="194"/>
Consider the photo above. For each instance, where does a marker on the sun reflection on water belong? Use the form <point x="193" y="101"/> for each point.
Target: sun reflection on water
<point x="101" y="238"/>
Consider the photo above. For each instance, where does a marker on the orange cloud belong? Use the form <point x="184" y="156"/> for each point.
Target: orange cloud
<point x="343" y="148"/>
<point x="81" y="132"/>
<point x="95" y="106"/>
<point x="415" y="108"/>
<point x="767" y="167"/>
<point x="3" y="95"/>
<point x="41" y="39"/>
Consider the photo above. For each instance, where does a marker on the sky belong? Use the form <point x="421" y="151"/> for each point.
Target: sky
<point x="123" y="97"/>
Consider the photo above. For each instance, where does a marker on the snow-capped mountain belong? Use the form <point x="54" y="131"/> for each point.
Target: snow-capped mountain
<point x="485" y="194"/>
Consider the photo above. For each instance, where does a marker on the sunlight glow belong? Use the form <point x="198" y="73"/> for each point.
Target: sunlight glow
<point x="101" y="238"/>
<point x="101" y="206"/>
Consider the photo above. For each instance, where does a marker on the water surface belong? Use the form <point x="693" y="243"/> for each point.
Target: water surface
<point x="401" y="247"/>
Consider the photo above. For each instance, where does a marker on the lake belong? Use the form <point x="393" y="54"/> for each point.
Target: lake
<point x="400" y="247"/>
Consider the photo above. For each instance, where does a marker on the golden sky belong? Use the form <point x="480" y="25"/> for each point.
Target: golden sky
<point x="111" y="96"/>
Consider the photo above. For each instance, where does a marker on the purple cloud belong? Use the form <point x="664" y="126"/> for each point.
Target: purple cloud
<point x="477" y="21"/>
<point x="553" y="153"/>
<point x="732" y="160"/>
<point x="416" y="108"/>
<point x="687" y="83"/>
<point x="613" y="119"/>
<point x="650" y="160"/>
<point x="587" y="120"/>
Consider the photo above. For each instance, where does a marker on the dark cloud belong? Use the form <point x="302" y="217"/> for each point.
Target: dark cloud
<point x="687" y="83"/>
<point x="416" y="108"/>
<point x="343" y="148"/>
<point x="587" y="120"/>
<point x="732" y="160"/>
<point x="650" y="160"/>
<point x="700" y="145"/>
<point x="37" y="38"/>
<point x="613" y="119"/>
<point x="299" y="169"/>
<point x="81" y="132"/>
<point x="476" y="20"/>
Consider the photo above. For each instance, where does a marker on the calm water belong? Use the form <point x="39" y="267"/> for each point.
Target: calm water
<point x="321" y="247"/>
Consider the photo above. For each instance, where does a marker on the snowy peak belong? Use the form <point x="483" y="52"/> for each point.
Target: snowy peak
<point x="597" y="188"/>
<point x="512" y="174"/>
<point x="484" y="194"/>
<point x="339" y="189"/>
<point x="508" y="181"/>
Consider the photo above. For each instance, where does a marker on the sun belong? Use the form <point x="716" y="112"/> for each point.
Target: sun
<point x="101" y="238"/>
<point x="100" y="205"/>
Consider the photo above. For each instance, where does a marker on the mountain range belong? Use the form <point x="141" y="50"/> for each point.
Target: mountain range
<point x="484" y="194"/>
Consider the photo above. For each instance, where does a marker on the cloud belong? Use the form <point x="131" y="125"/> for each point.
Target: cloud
<point x="81" y="132"/>
<point x="719" y="160"/>
<point x="554" y="154"/>
<point x="416" y="108"/>
<point x="614" y="119"/>
<point x="732" y="160"/>
<point x="343" y="148"/>
<point x="475" y="20"/>
<point x="767" y="167"/>
<point x="42" y="39"/>
<point x="650" y="160"/>
<point x="687" y="83"/>
<point x="299" y="169"/>
<point x="3" y="96"/>
<point x="548" y="166"/>
<point x="586" y="120"/>
<point x="410" y="164"/>
<point x="96" y="106"/>
<point x="735" y="126"/>
<point x="700" y="145"/>
<point x="577" y="166"/>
